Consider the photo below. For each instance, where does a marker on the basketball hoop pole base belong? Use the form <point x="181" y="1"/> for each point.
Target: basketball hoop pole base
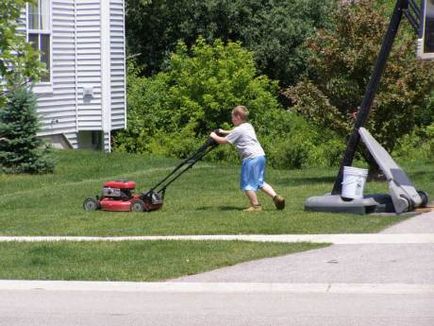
<point x="371" y="89"/>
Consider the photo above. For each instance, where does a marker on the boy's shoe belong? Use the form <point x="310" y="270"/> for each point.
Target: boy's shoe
<point x="256" y="208"/>
<point x="279" y="202"/>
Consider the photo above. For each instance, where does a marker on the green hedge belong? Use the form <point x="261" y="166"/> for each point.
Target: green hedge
<point x="173" y="112"/>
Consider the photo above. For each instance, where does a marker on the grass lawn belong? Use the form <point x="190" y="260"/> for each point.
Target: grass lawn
<point x="131" y="260"/>
<point x="205" y="200"/>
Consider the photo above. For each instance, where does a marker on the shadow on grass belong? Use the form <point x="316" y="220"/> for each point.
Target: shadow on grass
<point x="221" y="208"/>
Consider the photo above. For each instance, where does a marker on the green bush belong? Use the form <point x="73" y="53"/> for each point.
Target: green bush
<point x="425" y="115"/>
<point x="341" y="63"/>
<point x="173" y="112"/>
<point x="295" y="144"/>
<point x="192" y="97"/>
<point x="21" y="151"/>
<point x="417" y="146"/>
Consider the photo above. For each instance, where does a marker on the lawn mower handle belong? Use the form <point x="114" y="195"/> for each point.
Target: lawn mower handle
<point x="185" y="165"/>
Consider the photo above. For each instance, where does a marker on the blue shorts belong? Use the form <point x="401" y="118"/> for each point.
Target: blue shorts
<point x="252" y="173"/>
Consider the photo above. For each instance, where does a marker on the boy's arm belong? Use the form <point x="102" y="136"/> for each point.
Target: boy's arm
<point x="219" y="139"/>
<point x="224" y="132"/>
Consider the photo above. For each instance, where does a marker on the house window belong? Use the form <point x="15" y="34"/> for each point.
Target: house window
<point x="429" y="27"/>
<point x="39" y="32"/>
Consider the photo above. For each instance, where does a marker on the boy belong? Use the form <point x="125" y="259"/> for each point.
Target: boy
<point x="243" y="137"/>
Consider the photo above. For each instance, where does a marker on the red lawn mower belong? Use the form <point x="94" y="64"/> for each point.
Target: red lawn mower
<point x="119" y="196"/>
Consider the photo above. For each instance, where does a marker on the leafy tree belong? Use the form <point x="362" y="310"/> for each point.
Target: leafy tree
<point x="173" y="112"/>
<point x="273" y="30"/>
<point x="19" y="62"/>
<point x="21" y="151"/>
<point x="341" y="62"/>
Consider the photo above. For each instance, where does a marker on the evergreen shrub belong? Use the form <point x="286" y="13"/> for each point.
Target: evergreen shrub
<point x="21" y="151"/>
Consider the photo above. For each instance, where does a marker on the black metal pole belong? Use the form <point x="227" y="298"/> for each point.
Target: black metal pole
<point x="185" y="165"/>
<point x="371" y="89"/>
<point x="192" y="161"/>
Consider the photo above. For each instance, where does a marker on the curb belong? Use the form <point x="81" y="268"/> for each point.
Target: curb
<point x="371" y="238"/>
<point x="233" y="287"/>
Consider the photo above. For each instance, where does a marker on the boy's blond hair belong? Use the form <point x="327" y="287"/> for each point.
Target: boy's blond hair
<point x="241" y="111"/>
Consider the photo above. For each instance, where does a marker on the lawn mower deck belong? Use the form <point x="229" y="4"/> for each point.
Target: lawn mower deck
<point x="119" y="195"/>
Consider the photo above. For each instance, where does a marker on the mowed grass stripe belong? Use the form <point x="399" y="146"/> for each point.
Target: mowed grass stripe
<point x="130" y="261"/>
<point x="99" y="181"/>
<point x="202" y="201"/>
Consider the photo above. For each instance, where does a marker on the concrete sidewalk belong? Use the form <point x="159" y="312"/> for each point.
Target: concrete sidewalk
<point x="363" y="262"/>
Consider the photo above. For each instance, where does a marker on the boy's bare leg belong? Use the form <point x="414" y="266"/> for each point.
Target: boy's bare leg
<point x="266" y="188"/>
<point x="252" y="197"/>
<point x="279" y="201"/>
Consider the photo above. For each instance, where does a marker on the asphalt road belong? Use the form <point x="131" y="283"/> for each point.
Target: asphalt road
<point x="217" y="304"/>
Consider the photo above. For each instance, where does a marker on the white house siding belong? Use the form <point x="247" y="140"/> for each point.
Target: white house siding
<point x="57" y="107"/>
<point x="89" y="74"/>
<point x="78" y="61"/>
<point x="117" y="60"/>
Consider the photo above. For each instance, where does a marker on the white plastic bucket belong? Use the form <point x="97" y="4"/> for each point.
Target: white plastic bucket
<point x="353" y="182"/>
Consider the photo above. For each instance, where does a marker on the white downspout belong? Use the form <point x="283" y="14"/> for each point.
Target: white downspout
<point x="125" y="65"/>
<point x="76" y="68"/>
<point x="105" y="71"/>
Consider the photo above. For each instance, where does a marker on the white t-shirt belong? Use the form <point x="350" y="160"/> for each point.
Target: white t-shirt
<point x="244" y="139"/>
